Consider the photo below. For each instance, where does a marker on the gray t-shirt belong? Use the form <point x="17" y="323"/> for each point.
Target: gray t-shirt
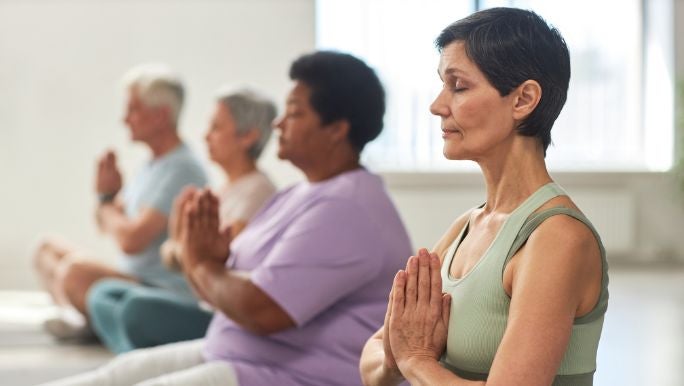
<point x="155" y="187"/>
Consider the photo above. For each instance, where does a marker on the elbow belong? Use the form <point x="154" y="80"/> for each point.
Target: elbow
<point x="261" y="323"/>
<point x="257" y="329"/>
<point x="262" y="316"/>
<point x="263" y="328"/>
<point x="130" y="246"/>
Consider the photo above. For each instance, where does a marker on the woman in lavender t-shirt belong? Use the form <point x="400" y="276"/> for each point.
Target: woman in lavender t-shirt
<point x="301" y="289"/>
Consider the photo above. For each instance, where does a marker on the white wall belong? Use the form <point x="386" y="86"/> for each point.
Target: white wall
<point x="61" y="103"/>
<point x="60" y="61"/>
<point x="430" y="202"/>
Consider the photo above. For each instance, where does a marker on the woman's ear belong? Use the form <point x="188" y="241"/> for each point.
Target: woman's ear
<point x="339" y="130"/>
<point x="527" y="97"/>
<point x="248" y="139"/>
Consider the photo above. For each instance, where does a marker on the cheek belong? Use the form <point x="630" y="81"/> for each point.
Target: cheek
<point x="477" y="113"/>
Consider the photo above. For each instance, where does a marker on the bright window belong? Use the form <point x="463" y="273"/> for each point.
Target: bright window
<point x="619" y="113"/>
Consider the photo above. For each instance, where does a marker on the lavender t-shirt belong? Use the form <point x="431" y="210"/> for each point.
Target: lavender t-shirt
<point x="326" y="253"/>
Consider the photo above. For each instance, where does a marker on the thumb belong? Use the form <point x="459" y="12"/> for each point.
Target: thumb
<point x="446" y="308"/>
<point x="227" y="231"/>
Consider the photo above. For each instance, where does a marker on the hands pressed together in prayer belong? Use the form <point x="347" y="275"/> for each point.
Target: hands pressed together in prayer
<point x="417" y="318"/>
<point x="195" y="224"/>
<point x="108" y="180"/>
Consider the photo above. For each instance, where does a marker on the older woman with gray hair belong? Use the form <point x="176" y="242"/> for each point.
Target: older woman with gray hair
<point x="127" y="315"/>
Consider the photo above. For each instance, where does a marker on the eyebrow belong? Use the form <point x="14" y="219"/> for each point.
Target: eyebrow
<point x="452" y="71"/>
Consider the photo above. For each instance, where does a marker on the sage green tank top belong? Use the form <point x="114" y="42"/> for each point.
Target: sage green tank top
<point x="479" y="308"/>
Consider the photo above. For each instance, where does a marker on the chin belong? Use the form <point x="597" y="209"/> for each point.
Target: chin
<point x="452" y="154"/>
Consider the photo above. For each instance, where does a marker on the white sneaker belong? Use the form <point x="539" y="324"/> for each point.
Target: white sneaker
<point x="61" y="329"/>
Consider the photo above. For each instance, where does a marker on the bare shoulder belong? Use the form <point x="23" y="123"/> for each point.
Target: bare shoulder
<point x="450" y="235"/>
<point x="563" y="258"/>
<point x="564" y="233"/>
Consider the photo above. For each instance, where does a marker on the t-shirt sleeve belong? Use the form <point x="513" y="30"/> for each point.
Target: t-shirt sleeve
<point x="170" y="184"/>
<point x="329" y="251"/>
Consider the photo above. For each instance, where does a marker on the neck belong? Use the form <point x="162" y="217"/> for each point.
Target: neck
<point x="338" y="161"/>
<point x="515" y="175"/>
<point x="238" y="168"/>
<point x="164" y="144"/>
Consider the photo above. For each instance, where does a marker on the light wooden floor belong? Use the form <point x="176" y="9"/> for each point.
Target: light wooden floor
<point x="643" y="335"/>
<point x="28" y="356"/>
<point x="642" y="341"/>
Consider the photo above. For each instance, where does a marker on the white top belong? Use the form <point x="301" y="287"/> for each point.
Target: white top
<point x="242" y="198"/>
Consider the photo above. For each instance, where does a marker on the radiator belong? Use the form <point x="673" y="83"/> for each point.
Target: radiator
<point x="428" y="213"/>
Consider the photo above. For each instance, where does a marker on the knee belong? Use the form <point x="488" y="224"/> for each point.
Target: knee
<point x="137" y="317"/>
<point x="104" y="294"/>
<point x="70" y="270"/>
<point x="42" y="251"/>
<point x="134" y="312"/>
<point x="70" y="274"/>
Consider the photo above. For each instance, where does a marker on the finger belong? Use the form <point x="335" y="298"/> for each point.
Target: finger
<point x="111" y="156"/>
<point x="388" y="316"/>
<point x="435" y="280"/>
<point x="446" y="308"/>
<point x="181" y="198"/>
<point x="205" y="212"/>
<point x="226" y="232"/>
<point x="398" y="294"/>
<point x="201" y="203"/>
<point x="388" y="313"/>
<point x="424" y="278"/>
<point x="408" y="263"/>
<point x="109" y="159"/>
<point x="191" y="216"/>
<point x="213" y="212"/>
<point x="185" y="195"/>
<point x="411" y="283"/>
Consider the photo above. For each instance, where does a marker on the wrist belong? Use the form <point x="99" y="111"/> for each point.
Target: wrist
<point x="204" y="267"/>
<point x="391" y="373"/>
<point x="106" y="198"/>
<point x="411" y="367"/>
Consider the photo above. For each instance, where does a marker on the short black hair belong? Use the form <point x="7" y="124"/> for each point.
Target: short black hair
<point x="510" y="46"/>
<point x="343" y="87"/>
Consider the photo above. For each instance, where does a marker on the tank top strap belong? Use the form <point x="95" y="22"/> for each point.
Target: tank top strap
<point x="518" y="217"/>
<point x="537" y="199"/>
<point x="510" y="228"/>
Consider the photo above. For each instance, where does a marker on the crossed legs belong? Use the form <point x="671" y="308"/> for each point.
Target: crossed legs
<point x="66" y="274"/>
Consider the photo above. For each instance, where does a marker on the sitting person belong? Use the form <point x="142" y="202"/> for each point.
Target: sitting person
<point x="136" y="218"/>
<point x="524" y="275"/>
<point x="126" y="315"/>
<point x="303" y="286"/>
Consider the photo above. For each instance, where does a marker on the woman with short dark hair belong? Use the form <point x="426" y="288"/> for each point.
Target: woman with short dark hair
<point x="515" y="292"/>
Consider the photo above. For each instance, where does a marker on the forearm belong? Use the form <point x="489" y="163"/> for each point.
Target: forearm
<point x="430" y="372"/>
<point x="196" y="289"/>
<point x="229" y="291"/>
<point x="113" y="221"/>
<point x="372" y="366"/>
<point x="132" y="235"/>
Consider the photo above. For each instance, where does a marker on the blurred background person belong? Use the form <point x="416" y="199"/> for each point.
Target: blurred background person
<point x="299" y="291"/>
<point x="127" y="315"/>
<point x="134" y="216"/>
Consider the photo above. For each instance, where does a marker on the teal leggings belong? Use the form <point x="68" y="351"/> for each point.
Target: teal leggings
<point x="126" y="315"/>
